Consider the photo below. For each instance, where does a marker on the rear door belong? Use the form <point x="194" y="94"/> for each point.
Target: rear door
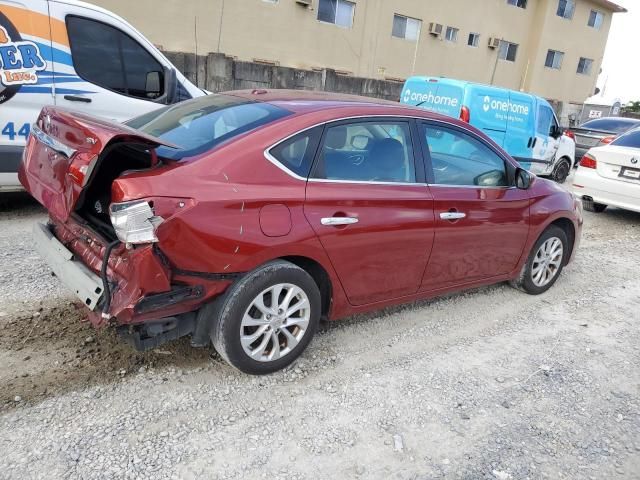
<point x="370" y="208"/>
<point x="25" y="77"/>
<point x="482" y="221"/>
<point x="105" y="68"/>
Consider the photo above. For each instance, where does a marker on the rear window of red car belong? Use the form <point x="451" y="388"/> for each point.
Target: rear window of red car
<point x="199" y="125"/>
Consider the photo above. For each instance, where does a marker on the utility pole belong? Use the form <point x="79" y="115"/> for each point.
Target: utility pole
<point x="220" y="26"/>
<point x="495" y="65"/>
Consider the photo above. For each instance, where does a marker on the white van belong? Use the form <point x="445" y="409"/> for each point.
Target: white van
<point x="75" y="55"/>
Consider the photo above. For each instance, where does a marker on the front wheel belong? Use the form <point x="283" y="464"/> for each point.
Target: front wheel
<point x="267" y="318"/>
<point x="545" y="262"/>
<point x="561" y="171"/>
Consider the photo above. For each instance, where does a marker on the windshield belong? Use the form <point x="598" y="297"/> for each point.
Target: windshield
<point x="199" y="125"/>
<point x="631" y="139"/>
<point x="616" y="125"/>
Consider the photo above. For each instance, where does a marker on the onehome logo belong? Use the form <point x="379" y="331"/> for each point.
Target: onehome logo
<point x="430" y="99"/>
<point x="504" y="106"/>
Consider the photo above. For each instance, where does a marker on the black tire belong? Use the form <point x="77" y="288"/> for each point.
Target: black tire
<point x="226" y="326"/>
<point x="561" y="170"/>
<point x="591" y="206"/>
<point x="525" y="280"/>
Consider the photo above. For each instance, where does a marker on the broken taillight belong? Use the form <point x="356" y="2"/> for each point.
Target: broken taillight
<point x="134" y="222"/>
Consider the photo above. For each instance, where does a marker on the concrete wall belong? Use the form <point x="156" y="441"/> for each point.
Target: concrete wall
<point x="290" y="35"/>
<point x="217" y="72"/>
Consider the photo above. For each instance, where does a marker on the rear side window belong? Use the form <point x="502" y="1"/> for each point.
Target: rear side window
<point x="296" y="153"/>
<point x="459" y="159"/>
<point x="376" y="151"/>
<point x="631" y="139"/>
<point x="105" y="56"/>
<point x="199" y="125"/>
<point x="610" y="125"/>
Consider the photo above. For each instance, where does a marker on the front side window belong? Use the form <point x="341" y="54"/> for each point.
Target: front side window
<point x="457" y="158"/>
<point x="518" y="3"/>
<point x="473" y="40"/>
<point x="554" y="59"/>
<point x="296" y="153"/>
<point x="566" y="8"/>
<point x="584" y="66"/>
<point x="546" y="120"/>
<point x="405" y="27"/>
<point x="378" y="151"/>
<point x="595" y="19"/>
<point x="451" y="34"/>
<point x="338" y="12"/>
<point x="109" y="58"/>
<point x="199" y="125"/>
<point x="507" y="51"/>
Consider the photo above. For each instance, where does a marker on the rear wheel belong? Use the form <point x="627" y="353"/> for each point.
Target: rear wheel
<point x="545" y="262"/>
<point x="267" y="318"/>
<point x="561" y="170"/>
<point x="590" y="206"/>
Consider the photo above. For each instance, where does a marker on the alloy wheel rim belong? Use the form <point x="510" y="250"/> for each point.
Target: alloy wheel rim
<point x="275" y="322"/>
<point x="547" y="261"/>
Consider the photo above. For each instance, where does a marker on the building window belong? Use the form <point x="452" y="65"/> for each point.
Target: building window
<point x="508" y="51"/>
<point x="451" y="34"/>
<point x="595" y="19"/>
<point x="405" y="27"/>
<point x="518" y="3"/>
<point x="584" y="66"/>
<point x="554" y="59"/>
<point x="338" y="12"/>
<point x="566" y="8"/>
<point x="473" y="40"/>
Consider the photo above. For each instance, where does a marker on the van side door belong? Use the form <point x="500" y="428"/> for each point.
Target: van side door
<point x="110" y="69"/>
<point x="489" y="110"/>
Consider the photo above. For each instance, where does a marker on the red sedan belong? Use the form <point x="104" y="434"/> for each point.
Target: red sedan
<point x="244" y="218"/>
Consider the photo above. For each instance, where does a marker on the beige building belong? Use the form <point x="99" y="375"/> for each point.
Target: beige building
<point x="552" y="48"/>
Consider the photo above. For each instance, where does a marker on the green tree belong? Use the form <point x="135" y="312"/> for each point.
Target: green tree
<point x="633" y="107"/>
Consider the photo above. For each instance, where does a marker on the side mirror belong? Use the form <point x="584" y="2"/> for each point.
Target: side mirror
<point x="152" y="84"/>
<point x="523" y="179"/>
<point x="169" y="94"/>
<point x="556" y="132"/>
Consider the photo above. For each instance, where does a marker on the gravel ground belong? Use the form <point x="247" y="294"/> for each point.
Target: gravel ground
<point x="490" y="383"/>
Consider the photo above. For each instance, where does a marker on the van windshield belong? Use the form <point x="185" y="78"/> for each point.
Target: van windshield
<point x="197" y="126"/>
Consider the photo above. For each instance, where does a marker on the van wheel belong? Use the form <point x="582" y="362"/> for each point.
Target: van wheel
<point x="561" y="171"/>
<point x="267" y="318"/>
<point x="545" y="262"/>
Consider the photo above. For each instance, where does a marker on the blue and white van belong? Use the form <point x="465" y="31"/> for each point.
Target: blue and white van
<point x="76" y="55"/>
<point x="523" y="124"/>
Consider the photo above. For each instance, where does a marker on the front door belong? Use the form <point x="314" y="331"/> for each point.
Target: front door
<point x="103" y="70"/>
<point x="370" y="208"/>
<point x="482" y="221"/>
<point x="545" y="146"/>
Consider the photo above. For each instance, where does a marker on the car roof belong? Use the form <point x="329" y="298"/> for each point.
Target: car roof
<point x="306" y="101"/>
<point x="618" y="119"/>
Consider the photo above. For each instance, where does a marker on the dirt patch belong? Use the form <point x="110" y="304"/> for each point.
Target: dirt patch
<point x="56" y="350"/>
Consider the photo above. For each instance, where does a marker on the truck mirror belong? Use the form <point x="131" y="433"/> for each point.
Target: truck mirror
<point x="152" y="84"/>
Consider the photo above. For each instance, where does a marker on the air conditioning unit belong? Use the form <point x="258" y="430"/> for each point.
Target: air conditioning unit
<point x="435" y="29"/>
<point x="494" y="42"/>
<point x="306" y="3"/>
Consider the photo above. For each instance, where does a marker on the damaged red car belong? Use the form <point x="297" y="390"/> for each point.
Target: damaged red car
<point x="242" y="219"/>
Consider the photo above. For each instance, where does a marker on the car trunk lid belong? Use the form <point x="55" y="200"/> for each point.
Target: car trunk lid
<point x="620" y="163"/>
<point x="63" y="150"/>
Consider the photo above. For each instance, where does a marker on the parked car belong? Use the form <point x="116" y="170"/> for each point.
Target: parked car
<point x="246" y="217"/>
<point x="74" y="54"/>
<point x="600" y="131"/>
<point x="610" y="175"/>
<point x="524" y="125"/>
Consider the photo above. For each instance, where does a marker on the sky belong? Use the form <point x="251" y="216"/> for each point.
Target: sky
<point x="621" y="65"/>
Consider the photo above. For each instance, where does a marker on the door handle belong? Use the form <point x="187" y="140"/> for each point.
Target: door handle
<point x="337" y="221"/>
<point x="452" y="215"/>
<point x="529" y="142"/>
<point x="75" y="98"/>
<point x="535" y="140"/>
